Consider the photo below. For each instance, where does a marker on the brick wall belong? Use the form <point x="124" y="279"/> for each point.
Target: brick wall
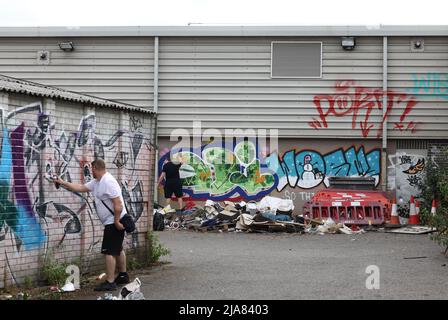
<point x="42" y="137"/>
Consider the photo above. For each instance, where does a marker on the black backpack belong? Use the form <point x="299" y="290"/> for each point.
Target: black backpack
<point x="158" y="222"/>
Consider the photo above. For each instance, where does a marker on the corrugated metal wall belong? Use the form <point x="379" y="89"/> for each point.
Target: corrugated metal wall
<point x="111" y="68"/>
<point x="225" y="82"/>
<point x="423" y="75"/>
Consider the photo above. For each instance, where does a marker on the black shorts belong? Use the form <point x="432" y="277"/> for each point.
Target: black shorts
<point x="173" y="186"/>
<point x="112" y="240"/>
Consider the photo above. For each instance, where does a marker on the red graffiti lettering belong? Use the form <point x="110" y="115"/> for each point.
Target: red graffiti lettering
<point x="359" y="102"/>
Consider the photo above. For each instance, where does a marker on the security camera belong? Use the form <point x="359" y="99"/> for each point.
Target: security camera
<point x="417" y="45"/>
<point x="43" y="57"/>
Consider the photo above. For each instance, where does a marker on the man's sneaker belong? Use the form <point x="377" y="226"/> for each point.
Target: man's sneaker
<point x="122" y="278"/>
<point x="106" y="286"/>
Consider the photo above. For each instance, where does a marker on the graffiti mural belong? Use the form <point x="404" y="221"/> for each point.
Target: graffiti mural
<point x="221" y="174"/>
<point x="406" y="171"/>
<point x="360" y="103"/>
<point x="217" y="173"/>
<point x="35" y="150"/>
<point x="430" y="85"/>
<point x="304" y="196"/>
<point x="16" y="210"/>
<point x="307" y="169"/>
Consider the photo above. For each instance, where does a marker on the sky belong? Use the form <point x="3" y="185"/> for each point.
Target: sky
<point x="221" y="13"/>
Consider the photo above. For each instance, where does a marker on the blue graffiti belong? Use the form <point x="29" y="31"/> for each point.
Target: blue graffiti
<point x="18" y="214"/>
<point x="307" y="169"/>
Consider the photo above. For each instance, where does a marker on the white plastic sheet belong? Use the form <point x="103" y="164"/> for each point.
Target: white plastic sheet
<point x="275" y="204"/>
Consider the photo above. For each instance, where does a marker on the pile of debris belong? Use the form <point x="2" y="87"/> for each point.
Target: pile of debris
<point x="271" y="214"/>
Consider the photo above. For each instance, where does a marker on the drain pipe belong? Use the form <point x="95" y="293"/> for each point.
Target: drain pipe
<point x="156" y="110"/>
<point x="384" y="142"/>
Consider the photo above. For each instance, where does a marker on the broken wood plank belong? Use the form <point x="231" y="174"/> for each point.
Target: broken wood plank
<point x="293" y="223"/>
<point x="314" y="221"/>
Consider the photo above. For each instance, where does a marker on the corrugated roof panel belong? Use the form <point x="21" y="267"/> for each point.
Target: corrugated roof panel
<point x="10" y="84"/>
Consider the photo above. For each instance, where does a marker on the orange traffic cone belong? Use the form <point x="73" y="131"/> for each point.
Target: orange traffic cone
<point x="417" y="207"/>
<point x="394" y="214"/>
<point x="413" y="216"/>
<point x="433" y="208"/>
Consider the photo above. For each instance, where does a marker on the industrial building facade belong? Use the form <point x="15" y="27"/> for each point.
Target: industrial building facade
<point x="339" y="101"/>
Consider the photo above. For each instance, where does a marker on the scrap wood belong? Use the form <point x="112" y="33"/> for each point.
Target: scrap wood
<point x="293" y="223"/>
<point x="225" y="225"/>
<point x="280" y="223"/>
<point x="412" y="230"/>
<point x="314" y="221"/>
<point x="260" y="222"/>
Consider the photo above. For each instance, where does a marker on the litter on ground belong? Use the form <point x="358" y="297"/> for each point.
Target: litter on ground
<point x="270" y="214"/>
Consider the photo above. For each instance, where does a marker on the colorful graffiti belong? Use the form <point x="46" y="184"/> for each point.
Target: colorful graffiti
<point x="360" y="103"/>
<point x="430" y="85"/>
<point x="217" y="173"/>
<point x="16" y="212"/>
<point x="307" y="169"/>
<point x="32" y="152"/>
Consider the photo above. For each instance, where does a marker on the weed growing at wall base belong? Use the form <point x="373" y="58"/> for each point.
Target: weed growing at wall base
<point x="156" y="249"/>
<point x="133" y="264"/>
<point x="28" y="282"/>
<point x="54" y="272"/>
<point x="58" y="273"/>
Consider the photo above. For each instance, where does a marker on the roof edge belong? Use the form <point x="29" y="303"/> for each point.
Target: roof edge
<point x="225" y="31"/>
<point x="19" y="86"/>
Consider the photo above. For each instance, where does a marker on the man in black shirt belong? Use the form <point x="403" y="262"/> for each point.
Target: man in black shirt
<point x="173" y="184"/>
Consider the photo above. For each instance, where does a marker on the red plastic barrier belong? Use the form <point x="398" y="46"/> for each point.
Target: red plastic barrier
<point x="349" y="206"/>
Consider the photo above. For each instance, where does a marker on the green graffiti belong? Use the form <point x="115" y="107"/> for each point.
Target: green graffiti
<point x="219" y="170"/>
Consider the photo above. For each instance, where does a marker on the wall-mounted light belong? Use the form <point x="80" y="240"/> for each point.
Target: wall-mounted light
<point x="348" y="43"/>
<point x="66" y="46"/>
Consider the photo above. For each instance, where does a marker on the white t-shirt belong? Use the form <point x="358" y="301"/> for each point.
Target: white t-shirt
<point x="105" y="189"/>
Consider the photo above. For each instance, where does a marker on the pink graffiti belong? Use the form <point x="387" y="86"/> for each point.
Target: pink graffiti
<point x="349" y="100"/>
<point x="164" y="151"/>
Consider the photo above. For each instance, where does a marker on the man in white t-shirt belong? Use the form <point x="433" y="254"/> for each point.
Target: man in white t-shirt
<point x="108" y="198"/>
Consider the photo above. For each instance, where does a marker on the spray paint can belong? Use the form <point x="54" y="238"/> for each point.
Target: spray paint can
<point x="57" y="185"/>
